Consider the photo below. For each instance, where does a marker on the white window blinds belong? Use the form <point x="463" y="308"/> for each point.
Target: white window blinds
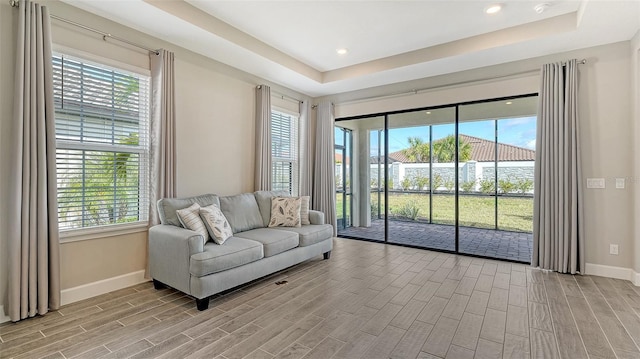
<point x="284" y="151"/>
<point x="102" y="119"/>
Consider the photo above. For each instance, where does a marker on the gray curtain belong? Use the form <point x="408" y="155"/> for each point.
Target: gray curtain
<point x="324" y="191"/>
<point x="33" y="240"/>
<point x="263" y="139"/>
<point x="162" y="170"/>
<point x="306" y="149"/>
<point x="558" y="223"/>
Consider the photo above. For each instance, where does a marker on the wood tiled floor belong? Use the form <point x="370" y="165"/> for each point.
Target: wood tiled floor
<point x="368" y="301"/>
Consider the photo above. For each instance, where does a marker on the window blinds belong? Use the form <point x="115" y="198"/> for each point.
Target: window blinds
<point x="102" y="119"/>
<point x="284" y="151"/>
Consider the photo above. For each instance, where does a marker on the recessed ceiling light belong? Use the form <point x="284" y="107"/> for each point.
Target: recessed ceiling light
<point x="508" y="103"/>
<point x="342" y="51"/>
<point x="428" y="112"/>
<point x="492" y="9"/>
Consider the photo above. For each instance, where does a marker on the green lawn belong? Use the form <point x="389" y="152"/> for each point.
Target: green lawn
<point x="514" y="213"/>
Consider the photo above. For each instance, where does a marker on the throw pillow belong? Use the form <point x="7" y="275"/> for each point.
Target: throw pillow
<point x="285" y="212"/>
<point x="216" y="223"/>
<point x="304" y="210"/>
<point x="190" y="219"/>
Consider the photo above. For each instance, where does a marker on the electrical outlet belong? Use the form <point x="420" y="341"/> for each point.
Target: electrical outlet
<point x="613" y="249"/>
<point x="595" y="183"/>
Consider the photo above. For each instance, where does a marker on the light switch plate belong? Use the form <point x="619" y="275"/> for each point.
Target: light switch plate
<point x="619" y="182"/>
<point x="595" y="183"/>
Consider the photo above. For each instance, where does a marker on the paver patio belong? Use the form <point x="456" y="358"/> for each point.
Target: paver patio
<point x="514" y="246"/>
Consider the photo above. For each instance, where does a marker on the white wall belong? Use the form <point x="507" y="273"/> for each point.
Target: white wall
<point x="605" y="129"/>
<point x="215" y="134"/>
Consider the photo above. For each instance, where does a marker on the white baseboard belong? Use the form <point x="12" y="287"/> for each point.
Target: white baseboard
<point x="613" y="272"/>
<point x="89" y="290"/>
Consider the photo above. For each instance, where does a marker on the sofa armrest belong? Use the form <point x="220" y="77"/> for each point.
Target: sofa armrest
<point x="170" y="251"/>
<point x="316" y="217"/>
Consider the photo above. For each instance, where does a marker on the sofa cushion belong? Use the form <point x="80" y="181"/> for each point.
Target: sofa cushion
<point x="273" y="240"/>
<point x="190" y="219"/>
<point x="264" y="203"/>
<point x="242" y="212"/>
<point x="233" y="253"/>
<point x="285" y="212"/>
<point x="167" y="207"/>
<point x="216" y="223"/>
<point x="311" y="234"/>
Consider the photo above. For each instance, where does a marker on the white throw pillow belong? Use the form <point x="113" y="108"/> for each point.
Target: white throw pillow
<point x="285" y="212"/>
<point x="216" y="223"/>
<point x="190" y="219"/>
<point x="304" y="210"/>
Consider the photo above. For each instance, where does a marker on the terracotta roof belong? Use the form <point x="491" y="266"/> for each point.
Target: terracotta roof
<point x="483" y="151"/>
<point x="338" y="158"/>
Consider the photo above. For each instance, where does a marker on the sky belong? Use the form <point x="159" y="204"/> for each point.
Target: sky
<point x="515" y="131"/>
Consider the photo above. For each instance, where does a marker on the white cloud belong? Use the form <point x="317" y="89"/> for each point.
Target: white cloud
<point x="531" y="144"/>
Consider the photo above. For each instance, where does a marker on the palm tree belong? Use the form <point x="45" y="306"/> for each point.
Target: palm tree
<point x="418" y="150"/>
<point x="444" y="150"/>
<point x="111" y="179"/>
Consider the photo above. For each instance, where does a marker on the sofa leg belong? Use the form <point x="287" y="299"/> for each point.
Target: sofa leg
<point x="327" y="255"/>
<point x="158" y="285"/>
<point x="202" y="304"/>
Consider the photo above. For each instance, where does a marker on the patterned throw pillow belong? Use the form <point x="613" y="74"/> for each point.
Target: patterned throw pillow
<point x="304" y="210"/>
<point x="285" y="212"/>
<point x="190" y="219"/>
<point x="216" y="223"/>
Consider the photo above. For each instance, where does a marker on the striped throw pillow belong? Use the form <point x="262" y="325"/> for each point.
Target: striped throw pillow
<point x="190" y="219"/>
<point x="304" y="210"/>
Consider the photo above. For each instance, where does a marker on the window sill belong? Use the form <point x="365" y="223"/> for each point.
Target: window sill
<point x="75" y="235"/>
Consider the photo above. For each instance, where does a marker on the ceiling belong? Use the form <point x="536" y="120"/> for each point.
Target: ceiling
<point x="293" y="43"/>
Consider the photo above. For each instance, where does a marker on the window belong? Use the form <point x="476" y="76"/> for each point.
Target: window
<point x="284" y="152"/>
<point x="102" y="118"/>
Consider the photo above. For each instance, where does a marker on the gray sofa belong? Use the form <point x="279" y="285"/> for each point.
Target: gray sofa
<point x="184" y="260"/>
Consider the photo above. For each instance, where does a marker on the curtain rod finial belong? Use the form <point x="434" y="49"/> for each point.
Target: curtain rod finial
<point x="14" y="3"/>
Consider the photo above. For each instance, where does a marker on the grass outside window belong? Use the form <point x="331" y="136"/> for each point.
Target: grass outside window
<point x="515" y="213"/>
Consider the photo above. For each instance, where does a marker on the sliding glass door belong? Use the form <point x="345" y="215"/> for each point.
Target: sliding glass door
<point x="360" y="178"/>
<point x="454" y="178"/>
<point x="421" y="182"/>
<point x="497" y="156"/>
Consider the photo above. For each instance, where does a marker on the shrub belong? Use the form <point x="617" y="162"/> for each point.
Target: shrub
<point x="437" y="182"/>
<point x="487" y="186"/>
<point x="374" y="209"/>
<point x="405" y="184"/>
<point x="524" y="185"/>
<point x="408" y="210"/>
<point x="420" y="182"/>
<point x="506" y="186"/>
<point x="449" y="184"/>
<point x="467" y="186"/>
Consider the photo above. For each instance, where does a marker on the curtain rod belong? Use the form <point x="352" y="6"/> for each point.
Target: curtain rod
<point x="283" y="96"/>
<point x="417" y="91"/>
<point x="105" y="35"/>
